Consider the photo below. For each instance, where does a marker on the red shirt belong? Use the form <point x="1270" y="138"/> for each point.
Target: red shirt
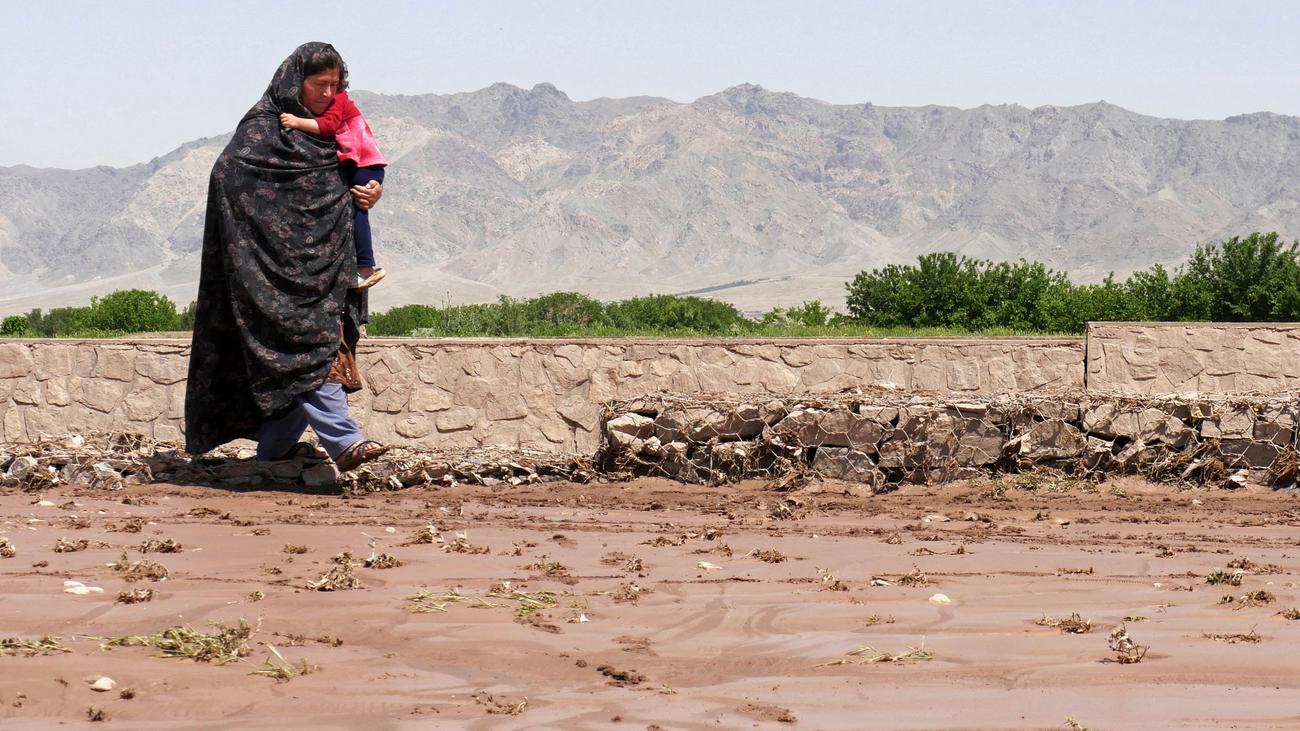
<point x="339" y="111"/>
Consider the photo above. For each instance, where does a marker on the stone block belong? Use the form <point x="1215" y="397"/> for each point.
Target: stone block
<point x="506" y="407"/>
<point x="56" y="391"/>
<point x="53" y="361"/>
<point x="14" y="430"/>
<point x="414" y="426"/>
<point x="27" y="391"/>
<point x="457" y="418"/>
<point x="580" y="412"/>
<point x="850" y="465"/>
<point x="116" y="364"/>
<point x="393" y="399"/>
<point x="15" y="360"/>
<point x="1048" y="440"/>
<point x="168" y="433"/>
<point x="964" y="375"/>
<point x="147" y="404"/>
<point x="101" y="394"/>
<point x="425" y="398"/>
<point x="636" y="426"/>
<point x="162" y="369"/>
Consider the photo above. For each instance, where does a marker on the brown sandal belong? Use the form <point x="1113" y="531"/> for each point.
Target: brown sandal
<point x="303" y="450"/>
<point x="358" y="454"/>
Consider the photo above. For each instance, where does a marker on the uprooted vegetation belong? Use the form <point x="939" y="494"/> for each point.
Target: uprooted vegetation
<point x="224" y="644"/>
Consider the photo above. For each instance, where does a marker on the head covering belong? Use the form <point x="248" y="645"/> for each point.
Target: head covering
<point x="277" y="266"/>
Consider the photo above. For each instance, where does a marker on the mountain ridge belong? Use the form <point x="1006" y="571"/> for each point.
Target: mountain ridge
<point x="507" y="190"/>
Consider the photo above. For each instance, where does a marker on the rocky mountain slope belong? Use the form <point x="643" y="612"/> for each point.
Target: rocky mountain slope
<point x="758" y="197"/>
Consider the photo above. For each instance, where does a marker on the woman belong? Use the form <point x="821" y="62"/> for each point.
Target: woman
<point x="277" y="324"/>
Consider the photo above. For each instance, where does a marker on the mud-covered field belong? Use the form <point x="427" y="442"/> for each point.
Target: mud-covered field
<point x="653" y="605"/>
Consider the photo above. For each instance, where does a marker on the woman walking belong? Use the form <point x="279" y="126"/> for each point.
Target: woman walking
<point x="277" y="320"/>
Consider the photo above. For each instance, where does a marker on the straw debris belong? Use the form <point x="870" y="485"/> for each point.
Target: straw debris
<point x="1292" y="613"/>
<point x="135" y="596"/>
<point x="1253" y="599"/>
<point x="1230" y="578"/>
<point x="7" y="549"/>
<point x="153" y="545"/>
<point x="914" y="578"/>
<point x="140" y="570"/>
<point x="767" y="555"/>
<point x="1251" y="637"/>
<point x="500" y="706"/>
<point x="868" y="655"/>
<point x="283" y="671"/>
<point x="338" y="577"/>
<point x="66" y="545"/>
<point x="30" y="648"/>
<point x="1073" y="624"/>
<point x="226" y="644"/>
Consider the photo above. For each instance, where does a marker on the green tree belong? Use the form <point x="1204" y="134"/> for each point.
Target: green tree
<point x="16" y="326"/>
<point x="132" y="310"/>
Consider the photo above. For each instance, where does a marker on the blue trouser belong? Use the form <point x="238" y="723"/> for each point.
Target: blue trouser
<point x="361" y="219"/>
<point x="325" y="410"/>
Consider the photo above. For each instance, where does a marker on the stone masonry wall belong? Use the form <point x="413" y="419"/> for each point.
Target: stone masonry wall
<point x="1222" y="359"/>
<point x="533" y="394"/>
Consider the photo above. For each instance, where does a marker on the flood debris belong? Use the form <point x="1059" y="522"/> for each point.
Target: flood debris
<point x="30" y="648"/>
<point x="1126" y="650"/>
<point x="1073" y="624"/>
<point x="868" y="655"/>
<point x="223" y="645"/>
<point x="1232" y="638"/>
<point x="495" y="706"/>
<point x="1257" y="598"/>
<point x="137" y="595"/>
<point x="338" y="577"/>
<point x="281" y="670"/>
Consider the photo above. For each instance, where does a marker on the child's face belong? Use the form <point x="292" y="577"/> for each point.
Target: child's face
<point x="318" y="91"/>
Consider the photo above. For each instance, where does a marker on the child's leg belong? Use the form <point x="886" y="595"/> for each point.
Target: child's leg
<point x="361" y="219"/>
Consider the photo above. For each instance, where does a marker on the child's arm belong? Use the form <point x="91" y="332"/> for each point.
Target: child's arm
<point x="293" y="121"/>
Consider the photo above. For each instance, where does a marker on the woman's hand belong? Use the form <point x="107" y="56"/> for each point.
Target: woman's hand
<point x="366" y="196"/>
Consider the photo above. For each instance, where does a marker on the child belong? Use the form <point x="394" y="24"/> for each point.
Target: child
<point x="359" y="151"/>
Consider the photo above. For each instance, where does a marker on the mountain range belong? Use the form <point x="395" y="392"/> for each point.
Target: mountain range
<point x="758" y="197"/>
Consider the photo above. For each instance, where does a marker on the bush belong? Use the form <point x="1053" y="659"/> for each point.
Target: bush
<point x="664" y="312"/>
<point x="132" y="311"/>
<point x="16" y="326"/>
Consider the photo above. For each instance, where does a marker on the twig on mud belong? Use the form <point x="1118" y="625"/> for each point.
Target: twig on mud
<point x="1233" y="638"/>
<point x="1073" y="624"/>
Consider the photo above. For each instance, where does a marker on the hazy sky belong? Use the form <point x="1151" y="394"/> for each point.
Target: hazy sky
<point x="86" y="83"/>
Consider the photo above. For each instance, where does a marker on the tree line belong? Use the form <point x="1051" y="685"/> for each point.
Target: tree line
<point x="1256" y="278"/>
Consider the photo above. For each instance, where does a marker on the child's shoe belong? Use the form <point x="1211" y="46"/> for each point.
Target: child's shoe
<point x="366" y="282"/>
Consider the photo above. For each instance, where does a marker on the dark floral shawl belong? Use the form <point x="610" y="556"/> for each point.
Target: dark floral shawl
<point x="278" y="261"/>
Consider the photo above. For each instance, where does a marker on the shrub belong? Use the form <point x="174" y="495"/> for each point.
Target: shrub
<point x="132" y="310"/>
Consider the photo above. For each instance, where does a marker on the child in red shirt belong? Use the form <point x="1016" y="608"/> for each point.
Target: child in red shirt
<point x="360" y="156"/>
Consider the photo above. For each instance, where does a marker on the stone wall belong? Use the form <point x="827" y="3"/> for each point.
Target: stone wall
<point x="1208" y="359"/>
<point x="533" y="394"/>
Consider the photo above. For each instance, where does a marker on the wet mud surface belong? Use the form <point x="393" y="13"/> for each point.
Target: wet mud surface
<point x="651" y="604"/>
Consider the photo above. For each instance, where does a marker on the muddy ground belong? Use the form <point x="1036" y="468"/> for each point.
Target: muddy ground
<point x="665" y="614"/>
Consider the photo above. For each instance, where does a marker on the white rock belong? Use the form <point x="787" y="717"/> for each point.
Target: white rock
<point x="103" y="684"/>
<point x="939" y="599"/>
<point x="390" y="529"/>
<point x="68" y="583"/>
<point x="46" y="504"/>
<point x="708" y="566"/>
<point x="74" y="441"/>
<point x="935" y="519"/>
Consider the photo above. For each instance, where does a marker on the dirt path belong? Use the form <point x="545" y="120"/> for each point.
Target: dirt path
<point x="686" y="626"/>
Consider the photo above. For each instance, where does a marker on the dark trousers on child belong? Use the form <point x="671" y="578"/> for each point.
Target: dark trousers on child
<point x="361" y="219"/>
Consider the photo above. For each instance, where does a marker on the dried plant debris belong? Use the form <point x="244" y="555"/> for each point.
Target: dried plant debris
<point x="153" y="545"/>
<point x="1126" y="650"/>
<point x="30" y="648"/>
<point x="1230" y="578"/>
<point x="526" y="603"/>
<point x="830" y="582"/>
<point x="868" y="655"/>
<point x="1252" y="599"/>
<point x="144" y="569"/>
<point x="96" y="715"/>
<point x="461" y="544"/>
<point x="423" y="602"/>
<point x="1292" y="613"/>
<point x="1245" y="564"/>
<point x="1088" y="571"/>
<point x="282" y="670"/>
<point x="876" y="619"/>
<point x="621" y="678"/>
<point x="130" y="525"/>
<point x="423" y="535"/>
<point x="339" y="576"/>
<point x="628" y="592"/>
<point x="550" y="569"/>
<point x="767" y="555"/>
<point x="71" y="545"/>
<point x="225" y="644"/>
<point x="500" y="706"/>
<point x="1074" y="724"/>
<point x="294" y="549"/>
<point x="7" y="549"/>
<point x="1073" y="624"/>
<point x="381" y="561"/>
<point x="787" y="509"/>
<point x="137" y="595"/>
<point x="915" y="578"/>
<point x="1251" y="637"/>
<point x="255" y="596"/>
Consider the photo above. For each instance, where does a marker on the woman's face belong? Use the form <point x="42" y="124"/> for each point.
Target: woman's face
<point x="318" y="90"/>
